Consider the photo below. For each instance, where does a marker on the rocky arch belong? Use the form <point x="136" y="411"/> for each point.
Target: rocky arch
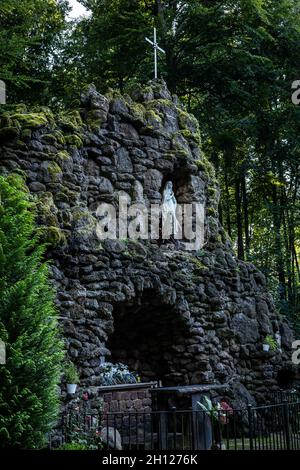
<point x="149" y="335"/>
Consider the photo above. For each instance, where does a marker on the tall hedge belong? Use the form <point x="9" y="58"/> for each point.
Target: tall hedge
<point x="28" y="325"/>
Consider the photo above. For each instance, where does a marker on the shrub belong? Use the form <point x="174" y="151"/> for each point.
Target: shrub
<point x="73" y="446"/>
<point x="28" y="325"/>
<point x="71" y="374"/>
<point x="271" y="342"/>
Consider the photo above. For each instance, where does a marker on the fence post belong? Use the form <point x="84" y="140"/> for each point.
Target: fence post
<point x="163" y="430"/>
<point x="281" y="396"/>
<point x="249" y="407"/>
<point x="286" y="424"/>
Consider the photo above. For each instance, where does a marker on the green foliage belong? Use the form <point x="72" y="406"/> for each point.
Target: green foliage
<point x="71" y="374"/>
<point x="232" y="64"/>
<point x="271" y="342"/>
<point x="33" y="120"/>
<point x="82" y="438"/>
<point x="73" y="446"/>
<point x="28" y="325"/>
<point x="74" y="140"/>
<point x="211" y="409"/>
<point x="29" y="31"/>
<point x="199" y="266"/>
<point x="52" y="236"/>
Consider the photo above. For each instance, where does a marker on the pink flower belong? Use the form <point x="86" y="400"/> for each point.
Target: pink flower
<point x="226" y="411"/>
<point x="226" y="407"/>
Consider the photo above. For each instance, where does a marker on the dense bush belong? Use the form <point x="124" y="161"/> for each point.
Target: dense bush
<point x="28" y="325"/>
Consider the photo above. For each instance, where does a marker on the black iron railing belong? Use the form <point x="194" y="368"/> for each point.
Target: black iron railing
<point x="272" y="427"/>
<point x="281" y="396"/>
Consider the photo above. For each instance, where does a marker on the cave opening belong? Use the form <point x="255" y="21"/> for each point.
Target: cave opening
<point x="149" y="338"/>
<point x="286" y="378"/>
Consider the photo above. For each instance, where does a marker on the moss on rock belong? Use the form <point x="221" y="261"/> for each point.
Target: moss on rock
<point x="60" y="137"/>
<point x="137" y="110"/>
<point x="29" y="120"/>
<point x="95" y="119"/>
<point x="50" y="139"/>
<point x="63" y="155"/>
<point x="70" y="121"/>
<point x="54" y="170"/>
<point x="200" y="267"/>
<point x="46" y="209"/>
<point x="74" y="140"/>
<point x="212" y="191"/>
<point x="8" y="133"/>
<point x="26" y="135"/>
<point x="180" y="145"/>
<point x="207" y="167"/>
<point x="53" y="235"/>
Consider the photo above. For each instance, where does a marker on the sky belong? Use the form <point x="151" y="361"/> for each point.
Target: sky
<point x="78" y="9"/>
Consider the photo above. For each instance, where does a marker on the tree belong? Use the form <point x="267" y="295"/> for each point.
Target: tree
<point x="28" y="325"/>
<point x="232" y="62"/>
<point x="108" y="48"/>
<point x="28" y="39"/>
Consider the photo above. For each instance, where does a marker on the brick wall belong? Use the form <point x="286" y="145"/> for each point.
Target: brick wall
<point x="129" y="399"/>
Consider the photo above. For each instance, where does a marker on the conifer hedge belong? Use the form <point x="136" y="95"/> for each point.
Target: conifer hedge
<point x="28" y="325"/>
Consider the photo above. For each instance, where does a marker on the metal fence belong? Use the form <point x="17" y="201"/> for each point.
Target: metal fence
<point x="281" y="396"/>
<point x="272" y="427"/>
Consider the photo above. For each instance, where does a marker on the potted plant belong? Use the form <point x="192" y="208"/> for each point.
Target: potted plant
<point x="269" y="344"/>
<point x="72" y="377"/>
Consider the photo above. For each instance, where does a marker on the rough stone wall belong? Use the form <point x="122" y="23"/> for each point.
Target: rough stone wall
<point x="181" y="317"/>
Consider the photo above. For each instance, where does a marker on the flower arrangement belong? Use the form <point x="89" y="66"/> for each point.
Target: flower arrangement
<point x="219" y="411"/>
<point x="226" y="411"/>
<point x="113" y="374"/>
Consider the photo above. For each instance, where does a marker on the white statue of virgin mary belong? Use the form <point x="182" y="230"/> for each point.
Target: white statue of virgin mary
<point x="169" y="205"/>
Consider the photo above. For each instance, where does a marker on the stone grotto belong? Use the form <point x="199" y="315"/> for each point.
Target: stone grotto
<point x="181" y="317"/>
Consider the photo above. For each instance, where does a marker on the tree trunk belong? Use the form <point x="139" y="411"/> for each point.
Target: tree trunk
<point x="167" y="44"/>
<point x="227" y="204"/>
<point x="278" y="244"/>
<point x="246" y="214"/>
<point x="239" y="219"/>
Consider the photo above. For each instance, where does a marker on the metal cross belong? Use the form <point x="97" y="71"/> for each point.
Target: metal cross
<point x="156" y="48"/>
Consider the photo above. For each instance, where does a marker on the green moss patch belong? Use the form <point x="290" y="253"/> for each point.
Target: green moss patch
<point x="63" y="155"/>
<point x="74" y="140"/>
<point x="70" y="121"/>
<point x="54" y="170"/>
<point x="95" y="119"/>
<point x="52" y="235"/>
<point x="49" y="139"/>
<point x="30" y="120"/>
<point x="206" y="166"/>
<point x="200" y="267"/>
